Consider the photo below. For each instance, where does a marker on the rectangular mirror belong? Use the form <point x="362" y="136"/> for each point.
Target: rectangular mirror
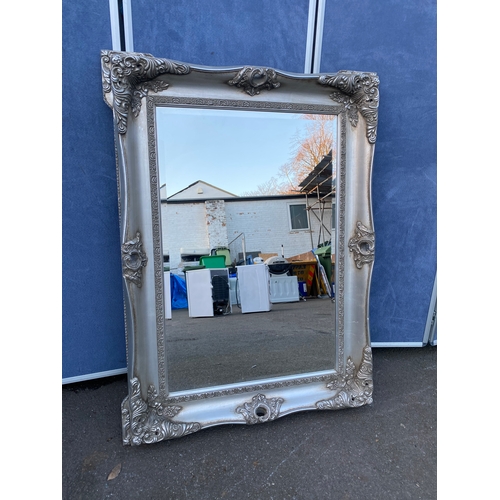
<point x="201" y="151"/>
<point x="247" y="241"/>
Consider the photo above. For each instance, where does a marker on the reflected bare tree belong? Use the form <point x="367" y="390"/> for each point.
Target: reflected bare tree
<point x="307" y="150"/>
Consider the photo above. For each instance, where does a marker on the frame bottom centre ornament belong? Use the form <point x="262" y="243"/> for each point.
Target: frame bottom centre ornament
<point x="260" y="409"/>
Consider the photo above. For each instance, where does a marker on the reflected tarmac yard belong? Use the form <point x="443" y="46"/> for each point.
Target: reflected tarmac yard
<point x="292" y="338"/>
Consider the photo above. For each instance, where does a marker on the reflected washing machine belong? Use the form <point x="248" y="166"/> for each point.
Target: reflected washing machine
<point x="254" y="288"/>
<point x="284" y="286"/>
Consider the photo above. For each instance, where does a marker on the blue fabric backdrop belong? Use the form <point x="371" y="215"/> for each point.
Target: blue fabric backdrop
<point x="93" y="324"/>
<point x="397" y="40"/>
<point x="224" y="33"/>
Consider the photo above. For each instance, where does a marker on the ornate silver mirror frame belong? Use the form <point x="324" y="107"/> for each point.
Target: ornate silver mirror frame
<point x="133" y="85"/>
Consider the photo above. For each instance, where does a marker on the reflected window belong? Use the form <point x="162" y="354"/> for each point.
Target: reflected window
<point x="298" y="216"/>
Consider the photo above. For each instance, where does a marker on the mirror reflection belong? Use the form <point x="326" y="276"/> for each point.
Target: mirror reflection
<point x="248" y="234"/>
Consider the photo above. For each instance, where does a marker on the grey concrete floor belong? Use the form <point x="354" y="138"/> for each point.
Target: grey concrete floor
<point x="387" y="450"/>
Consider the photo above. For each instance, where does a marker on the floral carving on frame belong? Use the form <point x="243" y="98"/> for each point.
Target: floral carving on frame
<point x="355" y="387"/>
<point x="362" y="245"/>
<point x="129" y="77"/>
<point x="260" y="409"/>
<point x="133" y="260"/>
<point x="253" y="80"/>
<point x="150" y="421"/>
<point x="358" y="93"/>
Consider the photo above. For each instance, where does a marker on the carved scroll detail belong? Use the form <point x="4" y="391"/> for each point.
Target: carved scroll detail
<point x="128" y="77"/>
<point x="362" y="245"/>
<point x="133" y="260"/>
<point x="260" y="409"/>
<point x="150" y="421"/>
<point x="358" y="93"/>
<point x="355" y="388"/>
<point x="253" y="80"/>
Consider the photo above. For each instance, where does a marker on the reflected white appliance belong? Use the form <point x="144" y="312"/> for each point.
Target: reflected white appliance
<point x="284" y="289"/>
<point x="253" y="288"/>
<point x="167" y="294"/>
<point x="233" y="294"/>
<point x="204" y="289"/>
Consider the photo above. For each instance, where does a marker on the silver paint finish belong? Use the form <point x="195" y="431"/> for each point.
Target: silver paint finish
<point x="134" y="84"/>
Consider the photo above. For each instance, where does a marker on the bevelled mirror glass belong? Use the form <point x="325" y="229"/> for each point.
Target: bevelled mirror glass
<point x="247" y="241"/>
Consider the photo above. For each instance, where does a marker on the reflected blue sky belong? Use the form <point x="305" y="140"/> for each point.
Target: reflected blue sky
<point x="232" y="150"/>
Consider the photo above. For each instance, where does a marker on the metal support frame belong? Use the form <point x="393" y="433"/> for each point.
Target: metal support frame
<point x="314" y="40"/>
